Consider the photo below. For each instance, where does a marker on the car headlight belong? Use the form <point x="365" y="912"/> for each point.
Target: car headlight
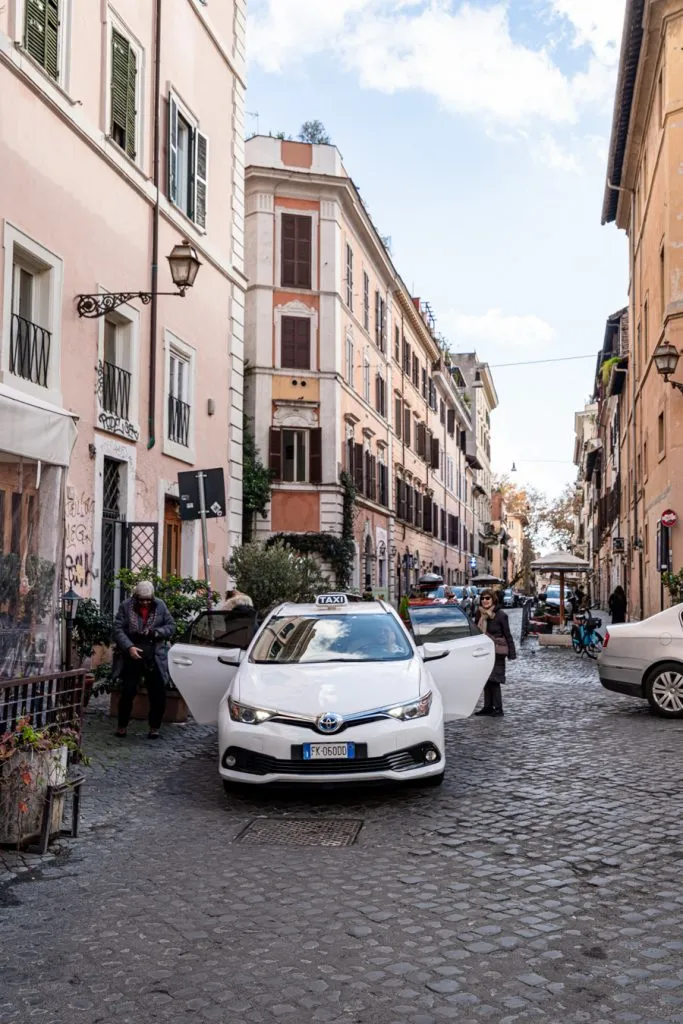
<point x="247" y="715"/>
<point x="412" y="709"/>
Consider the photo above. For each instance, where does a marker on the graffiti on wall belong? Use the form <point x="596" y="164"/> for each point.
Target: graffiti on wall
<point x="78" y="557"/>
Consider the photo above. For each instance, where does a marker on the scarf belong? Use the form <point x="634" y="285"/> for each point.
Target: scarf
<point x="136" y="623"/>
<point x="484" y="618"/>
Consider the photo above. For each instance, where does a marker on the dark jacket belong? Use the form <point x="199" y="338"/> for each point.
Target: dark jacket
<point x="499" y="626"/>
<point x="617" y="607"/>
<point x="128" y="625"/>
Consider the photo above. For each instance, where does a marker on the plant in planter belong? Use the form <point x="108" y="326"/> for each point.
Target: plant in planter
<point x="31" y="760"/>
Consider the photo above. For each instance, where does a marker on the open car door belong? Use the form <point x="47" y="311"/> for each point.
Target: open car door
<point x="462" y="674"/>
<point x="205" y="663"/>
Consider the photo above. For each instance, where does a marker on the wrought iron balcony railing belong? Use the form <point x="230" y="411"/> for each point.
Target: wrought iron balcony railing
<point x="178" y="421"/>
<point x="115" y="390"/>
<point x="29" y="351"/>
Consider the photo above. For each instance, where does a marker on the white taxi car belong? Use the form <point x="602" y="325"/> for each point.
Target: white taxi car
<point x="336" y="691"/>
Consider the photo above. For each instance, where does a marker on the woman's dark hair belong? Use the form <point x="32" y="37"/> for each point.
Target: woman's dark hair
<point x="619" y="592"/>
<point x="487" y="593"/>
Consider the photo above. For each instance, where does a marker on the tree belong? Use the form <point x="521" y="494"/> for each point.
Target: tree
<point x="314" y="132"/>
<point x="256" y="480"/>
<point x="558" y="517"/>
<point x="275" y="573"/>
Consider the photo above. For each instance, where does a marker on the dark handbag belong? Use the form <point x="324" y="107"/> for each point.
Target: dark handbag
<point x="501" y="646"/>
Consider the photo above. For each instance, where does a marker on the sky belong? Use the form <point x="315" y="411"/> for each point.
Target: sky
<point x="477" y="133"/>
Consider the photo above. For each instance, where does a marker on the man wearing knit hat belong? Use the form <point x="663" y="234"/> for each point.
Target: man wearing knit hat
<point x="142" y="629"/>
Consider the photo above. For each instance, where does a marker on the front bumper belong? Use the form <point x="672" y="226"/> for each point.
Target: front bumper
<point x="392" y="752"/>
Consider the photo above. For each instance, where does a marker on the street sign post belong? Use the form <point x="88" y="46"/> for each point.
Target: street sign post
<point x="202" y="496"/>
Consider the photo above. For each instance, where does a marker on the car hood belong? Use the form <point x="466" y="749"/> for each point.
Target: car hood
<point x="345" y="688"/>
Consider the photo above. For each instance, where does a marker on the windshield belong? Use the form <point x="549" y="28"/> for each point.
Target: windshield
<point x="459" y="592"/>
<point x="433" y="593"/>
<point x="306" y="639"/>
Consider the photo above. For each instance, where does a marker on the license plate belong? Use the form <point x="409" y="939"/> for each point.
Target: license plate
<point x="325" y="751"/>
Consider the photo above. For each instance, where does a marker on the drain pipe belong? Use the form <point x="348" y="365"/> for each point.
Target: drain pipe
<point x="155" y="233"/>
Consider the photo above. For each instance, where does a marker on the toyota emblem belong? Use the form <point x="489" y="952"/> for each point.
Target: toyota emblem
<point x="329" y="722"/>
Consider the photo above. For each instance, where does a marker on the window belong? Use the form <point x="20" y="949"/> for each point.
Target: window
<point x="406" y="358"/>
<point x="317" y="639"/>
<point x="41" y="34"/>
<point x="366" y="377"/>
<point x="123" y="100"/>
<point x="349" y="359"/>
<point x="295" y="348"/>
<point x="449" y="474"/>
<point x="416" y="373"/>
<point x="397" y="343"/>
<point x="366" y="301"/>
<point x="407" y="417"/>
<point x="442" y="412"/>
<point x="115" y="394"/>
<point x="32" y="316"/>
<point x="381" y="325"/>
<point x="638" y="348"/>
<point x="398" y="417"/>
<point x="178" y="399"/>
<point x="646" y="332"/>
<point x="662" y="283"/>
<point x="188" y="158"/>
<point x="645" y="460"/>
<point x="295" y="456"/>
<point x="296" y="270"/>
<point x="661" y="438"/>
<point x="349" y="276"/>
<point x="380" y="395"/>
<point x="424" y="383"/>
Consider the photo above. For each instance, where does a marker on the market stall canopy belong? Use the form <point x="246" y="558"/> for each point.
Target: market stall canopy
<point x="485" y="580"/>
<point x="560" y="561"/>
<point x="33" y="429"/>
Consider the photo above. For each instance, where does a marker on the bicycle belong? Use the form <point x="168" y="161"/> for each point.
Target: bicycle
<point x="586" y="639"/>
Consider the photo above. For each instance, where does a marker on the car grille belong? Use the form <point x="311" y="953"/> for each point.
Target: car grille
<point x="252" y="763"/>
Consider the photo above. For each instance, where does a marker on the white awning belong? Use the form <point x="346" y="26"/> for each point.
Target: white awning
<point x="33" y="429"/>
<point x="560" y="561"/>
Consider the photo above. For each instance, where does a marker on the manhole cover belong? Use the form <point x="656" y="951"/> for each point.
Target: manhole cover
<point x="301" y="832"/>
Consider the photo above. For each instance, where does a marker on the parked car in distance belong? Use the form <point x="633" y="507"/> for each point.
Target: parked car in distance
<point x="645" y="659"/>
<point x="552" y="598"/>
<point x="509" y="599"/>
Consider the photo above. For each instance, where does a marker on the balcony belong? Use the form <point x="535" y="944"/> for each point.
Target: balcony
<point x="115" y="390"/>
<point x="29" y="351"/>
<point x="178" y="421"/>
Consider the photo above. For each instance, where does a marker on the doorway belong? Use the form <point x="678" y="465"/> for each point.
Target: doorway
<point x="172" y="538"/>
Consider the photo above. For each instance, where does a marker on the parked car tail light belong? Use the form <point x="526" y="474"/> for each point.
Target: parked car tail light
<point x="606" y="640"/>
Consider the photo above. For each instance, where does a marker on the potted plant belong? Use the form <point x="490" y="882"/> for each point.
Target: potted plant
<point x="185" y="597"/>
<point x="92" y="630"/>
<point x="31" y="760"/>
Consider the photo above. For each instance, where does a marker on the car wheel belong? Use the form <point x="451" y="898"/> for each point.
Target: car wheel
<point x="433" y="780"/>
<point x="664" y="689"/>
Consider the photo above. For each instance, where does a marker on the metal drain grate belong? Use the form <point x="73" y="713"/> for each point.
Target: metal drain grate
<point x="301" y="832"/>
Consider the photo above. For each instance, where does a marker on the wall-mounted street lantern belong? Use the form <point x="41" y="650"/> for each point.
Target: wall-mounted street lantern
<point x="184" y="264"/>
<point x="69" y="609"/>
<point x="666" y="358"/>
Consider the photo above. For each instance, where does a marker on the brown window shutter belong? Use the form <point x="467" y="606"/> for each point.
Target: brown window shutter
<point x="398" y="418"/>
<point x="275" y="453"/>
<point x="316" y="456"/>
<point x="287" y="345"/>
<point x="451" y="422"/>
<point x="358" y="467"/>
<point x="406" y="426"/>
<point x="435" y="519"/>
<point x="296" y="253"/>
<point x="427" y="513"/>
<point x="296" y="343"/>
<point x="435" y="453"/>
<point x="373" y="478"/>
<point x="349" y="457"/>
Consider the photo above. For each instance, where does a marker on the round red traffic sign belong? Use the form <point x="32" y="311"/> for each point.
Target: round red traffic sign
<point x="669" y="518"/>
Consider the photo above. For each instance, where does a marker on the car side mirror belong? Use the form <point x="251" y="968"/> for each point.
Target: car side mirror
<point x="431" y="652"/>
<point x="231" y="657"/>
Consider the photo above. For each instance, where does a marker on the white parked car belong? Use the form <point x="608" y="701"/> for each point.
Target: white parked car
<point x="645" y="659"/>
<point x="335" y="691"/>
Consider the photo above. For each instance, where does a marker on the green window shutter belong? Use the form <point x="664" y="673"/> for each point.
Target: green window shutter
<point x="41" y="33"/>
<point x="201" y="172"/>
<point x="123" y="75"/>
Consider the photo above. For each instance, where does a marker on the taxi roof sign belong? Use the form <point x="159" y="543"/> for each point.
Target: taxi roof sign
<point x="329" y="599"/>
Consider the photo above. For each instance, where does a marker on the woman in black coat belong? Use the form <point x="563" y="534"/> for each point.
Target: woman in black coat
<point x="494" y="622"/>
<point x="617" y="605"/>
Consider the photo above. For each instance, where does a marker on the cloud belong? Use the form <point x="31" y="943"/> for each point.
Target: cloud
<point x="548" y="151"/>
<point x="497" y="328"/>
<point x="461" y="52"/>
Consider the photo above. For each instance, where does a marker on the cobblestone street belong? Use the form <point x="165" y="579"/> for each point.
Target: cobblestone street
<point x="541" y="882"/>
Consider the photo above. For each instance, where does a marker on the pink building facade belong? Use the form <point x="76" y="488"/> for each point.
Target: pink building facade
<point x="98" y="153"/>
